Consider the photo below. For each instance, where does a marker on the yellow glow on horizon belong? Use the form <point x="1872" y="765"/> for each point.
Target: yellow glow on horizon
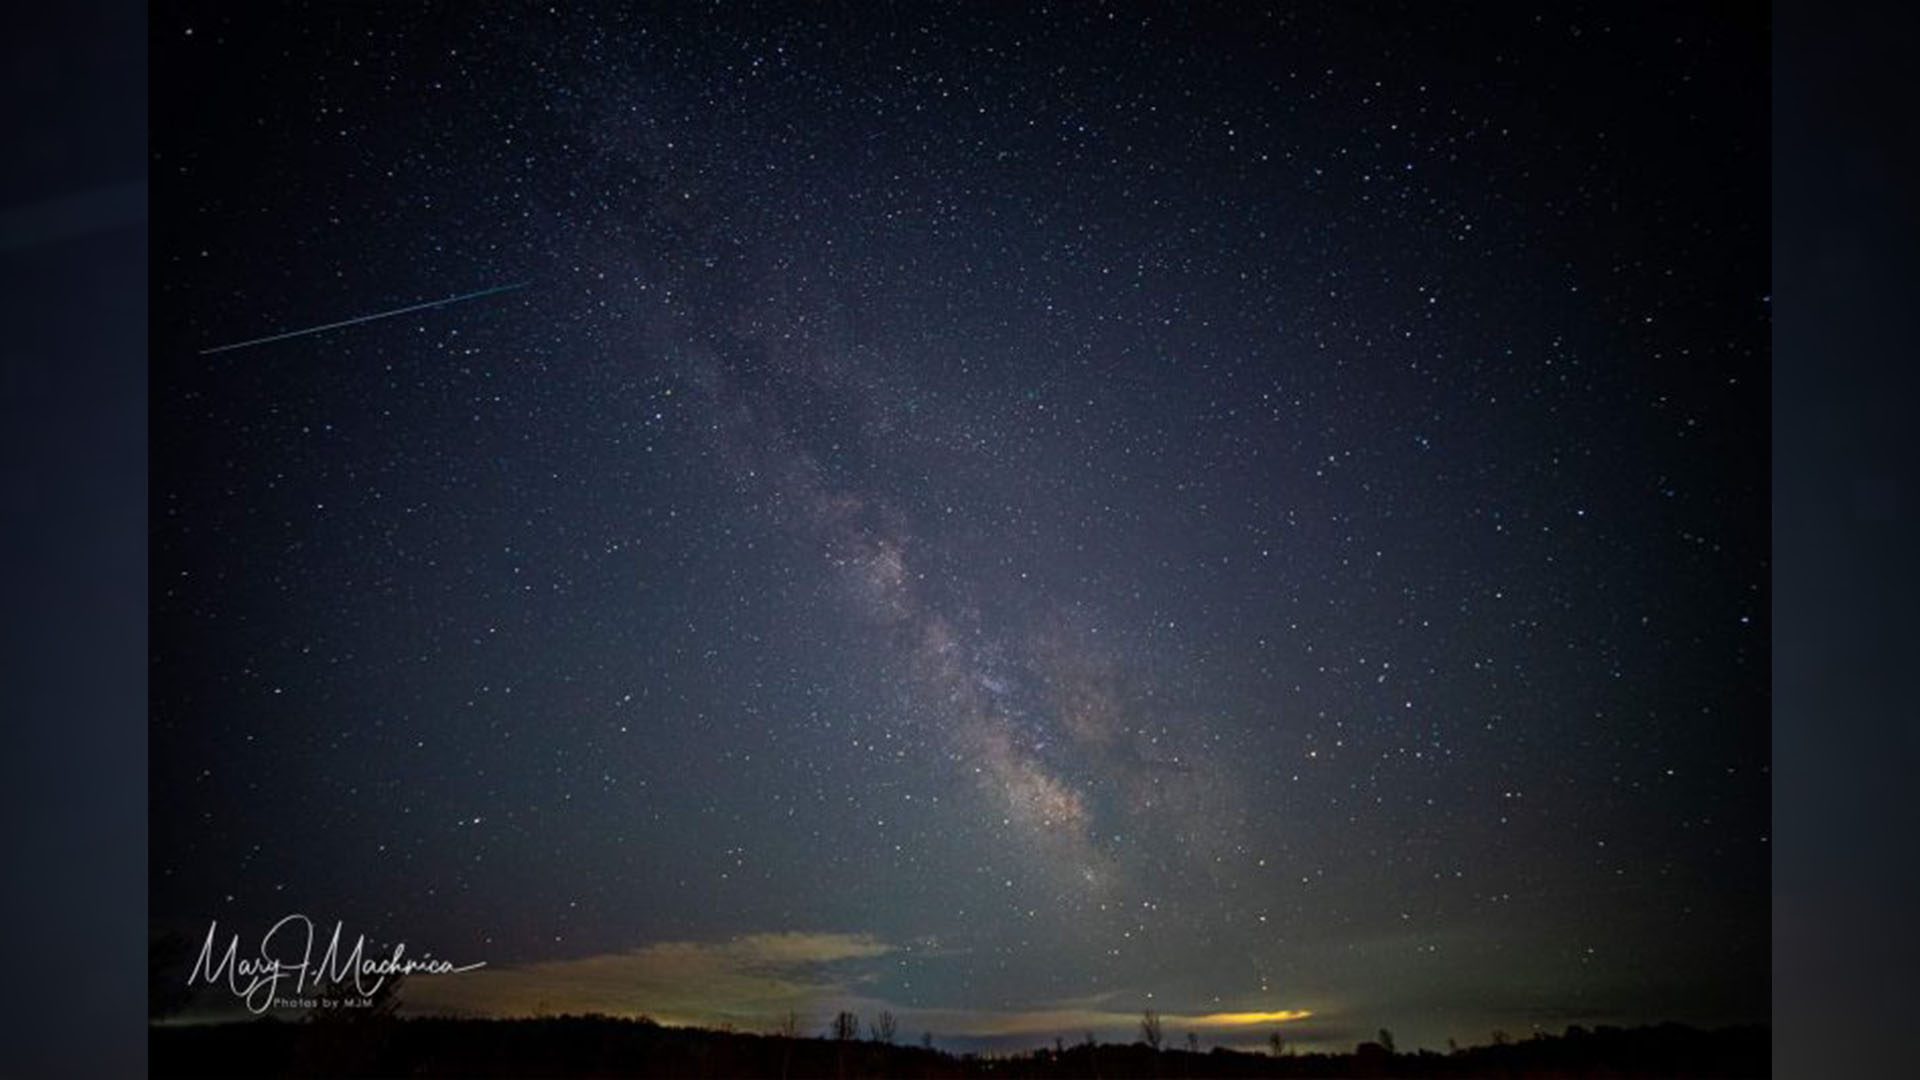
<point x="1242" y="1019"/>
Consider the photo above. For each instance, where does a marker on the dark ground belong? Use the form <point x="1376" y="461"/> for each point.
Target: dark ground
<point x="600" y="1046"/>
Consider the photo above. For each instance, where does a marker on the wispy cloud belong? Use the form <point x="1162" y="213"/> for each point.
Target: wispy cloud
<point x="1047" y="1022"/>
<point x="749" y="981"/>
<point x="752" y="981"/>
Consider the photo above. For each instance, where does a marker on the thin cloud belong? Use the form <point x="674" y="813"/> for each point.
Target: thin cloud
<point x="749" y="981"/>
<point x="752" y="981"/>
<point x="1069" y="1021"/>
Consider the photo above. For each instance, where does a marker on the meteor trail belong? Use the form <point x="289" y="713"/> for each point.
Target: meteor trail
<point x="365" y="318"/>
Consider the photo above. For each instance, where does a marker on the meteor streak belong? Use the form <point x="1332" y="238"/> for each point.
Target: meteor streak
<point x="365" y="318"/>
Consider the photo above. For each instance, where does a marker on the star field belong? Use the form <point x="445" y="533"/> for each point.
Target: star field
<point x="986" y="514"/>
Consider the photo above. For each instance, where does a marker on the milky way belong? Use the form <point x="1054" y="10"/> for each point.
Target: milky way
<point x="1002" y="703"/>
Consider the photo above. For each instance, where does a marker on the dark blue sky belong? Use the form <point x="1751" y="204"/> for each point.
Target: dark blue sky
<point x="1011" y="518"/>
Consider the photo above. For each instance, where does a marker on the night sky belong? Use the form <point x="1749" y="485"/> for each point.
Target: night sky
<point x="1010" y="517"/>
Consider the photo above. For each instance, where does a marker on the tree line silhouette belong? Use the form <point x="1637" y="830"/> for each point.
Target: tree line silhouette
<point x="377" y="1042"/>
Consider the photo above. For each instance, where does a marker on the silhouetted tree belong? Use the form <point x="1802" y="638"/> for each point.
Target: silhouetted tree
<point x="1193" y="1043"/>
<point x="1275" y="1043"/>
<point x="348" y="1033"/>
<point x="846" y="1028"/>
<point x="926" y="1040"/>
<point x="1386" y="1040"/>
<point x="789" y="1029"/>
<point x="1150" y="1028"/>
<point x="883" y="1028"/>
<point x="1501" y="1038"/>
<point x="167" y="966"/>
